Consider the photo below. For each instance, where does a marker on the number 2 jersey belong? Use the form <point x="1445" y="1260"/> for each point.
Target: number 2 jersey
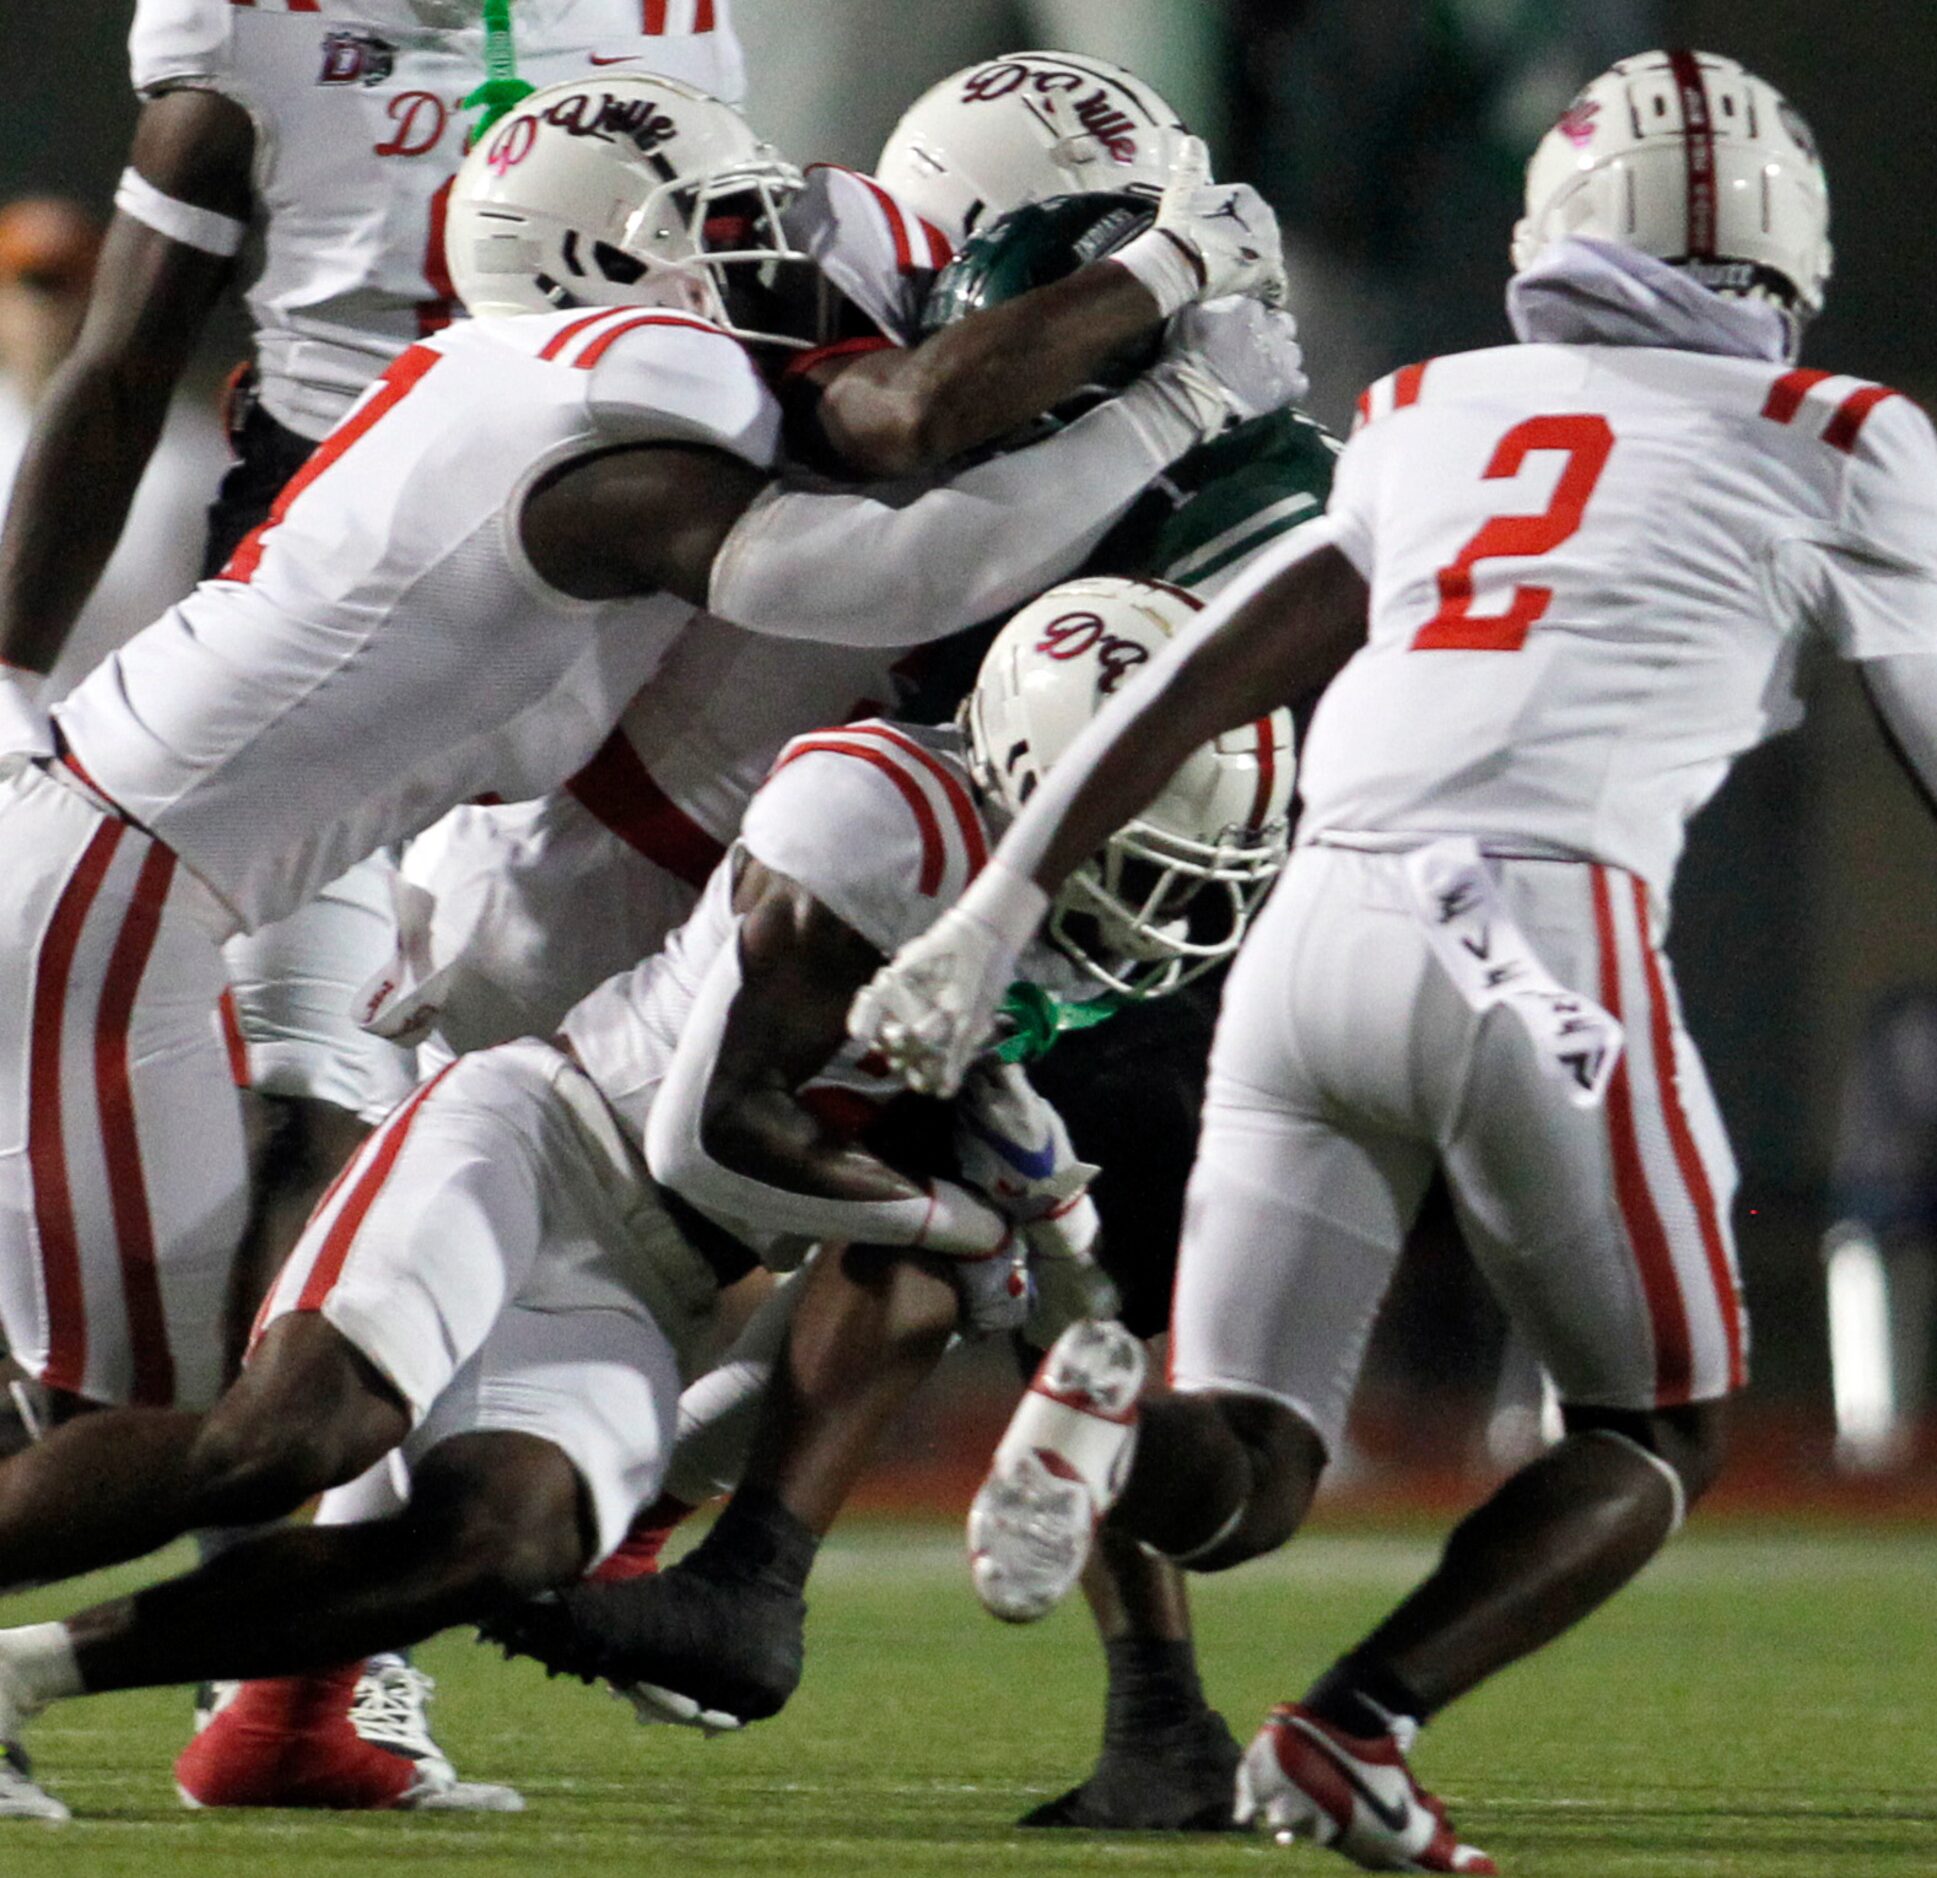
<point x="1593" y="570"/>
<point x="358" y="108"/>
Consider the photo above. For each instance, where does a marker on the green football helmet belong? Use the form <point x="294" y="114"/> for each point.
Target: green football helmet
<point x="1036" y="246"/>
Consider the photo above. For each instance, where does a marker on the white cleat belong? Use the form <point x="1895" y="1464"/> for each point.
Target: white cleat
<point x="21" y="1796"/>
<point x="1305" y="1779"/>
<point x="391" y="1710"/>
<point x="1059" y="1469"/>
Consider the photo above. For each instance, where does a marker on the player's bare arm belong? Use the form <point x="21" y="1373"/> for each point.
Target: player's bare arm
<point x="897" y="413"/>
<point x="104" y="412"/>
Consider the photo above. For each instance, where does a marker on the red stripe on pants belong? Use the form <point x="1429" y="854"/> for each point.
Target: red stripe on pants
<point x="1687" y="1156"/>
<point x="383" y="1152"/>
<point x="60" y="1254"/>
<point x="134" y="1231"/>
<point x="1653" y="1257"/>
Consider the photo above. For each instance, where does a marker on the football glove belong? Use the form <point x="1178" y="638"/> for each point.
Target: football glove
<point x="1012" y="1144"/>
<point x="1223" y="365"/>
<point x="1210" y="239"/>
<point x="995" y="1291"/>
<point x="932" y="1007"/>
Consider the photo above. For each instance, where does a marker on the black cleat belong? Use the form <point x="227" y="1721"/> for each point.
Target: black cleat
<point x="728" y="1650"/>
<point x="1182" y="1780"/>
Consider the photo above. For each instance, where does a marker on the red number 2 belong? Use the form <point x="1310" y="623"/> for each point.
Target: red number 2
<point x="1587" y="441"/>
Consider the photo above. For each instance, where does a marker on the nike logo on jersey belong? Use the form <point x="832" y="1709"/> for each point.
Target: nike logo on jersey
<point x="1030" y="1163"/>
<point x="618" y="58"/>
<point x="1393" y="1815"/>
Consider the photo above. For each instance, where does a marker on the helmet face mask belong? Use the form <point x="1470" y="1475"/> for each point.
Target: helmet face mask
<point x="1024" y="128"/>
<point x="1169" y="896"/>
<point x="631" y="190"/>
<point x="1688" y="157"/>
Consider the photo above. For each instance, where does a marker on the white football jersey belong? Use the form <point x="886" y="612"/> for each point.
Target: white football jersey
<point x="872" y="246"/>
<point x="1593" y="569"/>
<point x="360" y="128"/>
<point x="380" y="649"/>
<point x="878" y="821"/>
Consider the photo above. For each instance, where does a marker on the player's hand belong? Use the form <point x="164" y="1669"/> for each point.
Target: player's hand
<point x="995" y="1291"/>
<point x="1227" y="363"/>
<point x="1210" y="239"/>
<point x="1012" y="1145"/>
<point x="26" y="731"/>
<point x="1229" y="225"/>
<point x="932" y="1007"/>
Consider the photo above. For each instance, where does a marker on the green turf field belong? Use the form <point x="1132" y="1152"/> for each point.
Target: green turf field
<point x="1761" y="1703"/>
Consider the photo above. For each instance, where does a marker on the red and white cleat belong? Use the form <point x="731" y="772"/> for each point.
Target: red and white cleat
<point x="1309" y="1780"/>
<point x="290" y="1741"/>
<point x="1059" y="1469"/>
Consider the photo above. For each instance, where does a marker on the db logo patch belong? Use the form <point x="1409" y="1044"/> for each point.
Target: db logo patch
<point x="356" y="58"/>
<point x="1075" y="635"/>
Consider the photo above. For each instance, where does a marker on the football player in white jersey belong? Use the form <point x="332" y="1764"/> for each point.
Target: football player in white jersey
<point x="1591" y="561"/>
<point x="498" y="1286"/>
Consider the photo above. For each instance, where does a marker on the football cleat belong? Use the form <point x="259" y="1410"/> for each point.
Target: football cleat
<point x="1059" y="1469"/>
<point x="21" y="1796"/>
<point x="683" y="1646"/>
<point x="1309" y="1780"/>
<point x="1175" y="1780"/>
<point x="637" y="1554"/>
<point x="290" y="1741"/>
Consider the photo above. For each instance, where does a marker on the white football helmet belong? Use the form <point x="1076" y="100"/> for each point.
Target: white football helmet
<point x="1689" y="158"/>
<point x="628" y="189"/>
<point x="1171" y="894"/>
<point x="1023" y="128"/>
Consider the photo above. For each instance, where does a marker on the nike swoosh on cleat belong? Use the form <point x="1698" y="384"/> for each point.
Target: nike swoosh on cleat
<point x="1036" y="1164"/>
<point x="1394" y="1818"/>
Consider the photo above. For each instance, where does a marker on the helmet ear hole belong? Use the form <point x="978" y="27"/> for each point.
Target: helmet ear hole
<point x="617" y="266"/>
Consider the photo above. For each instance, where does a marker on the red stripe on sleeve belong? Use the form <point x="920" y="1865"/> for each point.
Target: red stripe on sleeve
<point x="934" y="858"/>
<point x="596" y="349"/>
<point x="305" y="6"/>
<point x="134" y="1230"/>
<point x="941" y="250"/>
<point x="1407" y="383"/>
<point x="60" y="1252"/>
<point x="652" y="16"/>
<point x="1654" y="1260"/>
<point x="391" y="389"/>
<point x="897" y="222"/>
<point x="1362" y="411"/>
<point x="566" y="334"/>
<point x="966" y="816"/>
<point x="1787" y="393"/>
<point x="617" y="788"/>
<point x="804" y="362"/>
<point x="382" y="1151"/>
<point x="1846" y="426"/>
<point x="1687" y="1156"/>
<point x="703" y="20"/>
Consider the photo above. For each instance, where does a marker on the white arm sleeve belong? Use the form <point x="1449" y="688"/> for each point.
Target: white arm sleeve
<point x="861" y="570"/>
<point x="1903" y="687"/>
<point x="949" y="1221"/>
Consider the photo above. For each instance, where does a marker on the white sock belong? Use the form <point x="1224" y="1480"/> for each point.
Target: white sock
<point x="39" y="1660"/>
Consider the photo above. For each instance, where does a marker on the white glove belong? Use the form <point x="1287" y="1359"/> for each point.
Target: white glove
<point x="995" y="1291"/>
<point x="1013" y="1145"/>
<point x="1223" y="365"/>
<point x="1210" y="239"/>
<point x="26" y="731"/>
<point x="932" y="1007"/>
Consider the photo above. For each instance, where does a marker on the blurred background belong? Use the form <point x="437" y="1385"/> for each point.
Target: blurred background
<point x="1391" y="134"/>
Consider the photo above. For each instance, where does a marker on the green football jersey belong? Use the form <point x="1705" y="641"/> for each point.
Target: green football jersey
<point x="1202" y="523"/>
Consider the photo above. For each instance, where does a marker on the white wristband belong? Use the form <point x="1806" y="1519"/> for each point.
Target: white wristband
<point x="1166" y="266"/>
<point x="206" y="229"/>
<point x="1071" y="1232"/>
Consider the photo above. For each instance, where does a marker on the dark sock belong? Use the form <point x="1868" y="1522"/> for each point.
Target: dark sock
<point x="1153" y="1687"/>
<point x="757" y="1541"/>
<point x="1363" y="1696"/>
